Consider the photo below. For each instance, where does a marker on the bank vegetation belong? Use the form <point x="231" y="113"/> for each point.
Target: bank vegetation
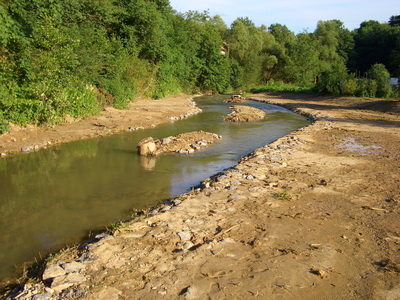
<point x="72" y="58"/>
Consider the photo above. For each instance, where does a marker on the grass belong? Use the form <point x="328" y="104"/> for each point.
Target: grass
<point x="115" y="227"/>
<point x="284" y="195"/>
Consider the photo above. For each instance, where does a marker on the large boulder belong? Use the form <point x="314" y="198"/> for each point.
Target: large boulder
<point x="147" y="146"/>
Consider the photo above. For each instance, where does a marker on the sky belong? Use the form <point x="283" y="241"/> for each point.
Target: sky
<point x="297" y="15"/>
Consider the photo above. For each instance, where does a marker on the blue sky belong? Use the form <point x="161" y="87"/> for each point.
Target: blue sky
<point x="297" y="15"/>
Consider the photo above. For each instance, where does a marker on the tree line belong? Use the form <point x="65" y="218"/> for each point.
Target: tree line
<point x="74" y="57"/>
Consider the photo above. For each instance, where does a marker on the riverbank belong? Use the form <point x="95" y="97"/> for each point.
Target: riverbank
<point x="313" y="215"/>
<point x="143" y="113"/>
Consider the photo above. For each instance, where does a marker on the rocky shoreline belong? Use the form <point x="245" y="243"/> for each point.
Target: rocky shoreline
<point x="300" y="218"/>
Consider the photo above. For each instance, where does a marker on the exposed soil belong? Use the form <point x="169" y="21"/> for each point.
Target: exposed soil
<point x="314" y="215"/>
<point x="243" y="113"/>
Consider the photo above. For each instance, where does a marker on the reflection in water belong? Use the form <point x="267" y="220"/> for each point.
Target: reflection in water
<point x="148" y="162"/>
<point x="56" y="196"/>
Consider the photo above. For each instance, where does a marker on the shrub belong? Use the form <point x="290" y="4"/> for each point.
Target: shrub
<point x="4" y="127"/>
<point x="279" y="86"/>
<point x="77" y="102"/>
<point x="350" y="87"/>
<point x="366" y="88"/>
<point x="380" y="75"/>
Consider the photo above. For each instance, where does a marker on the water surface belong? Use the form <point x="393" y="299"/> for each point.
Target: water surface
<point x="54" y="197"/>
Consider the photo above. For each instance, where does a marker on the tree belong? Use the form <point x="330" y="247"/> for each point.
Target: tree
<point x="328" y="38"/>
<point x="251" y="47"/>
<point x="281" y="49"/>
<point x="380" y="74"/>
<point x="376" y="43"/>
<point x="303" y="66"/>
<point x="394" y="20"/>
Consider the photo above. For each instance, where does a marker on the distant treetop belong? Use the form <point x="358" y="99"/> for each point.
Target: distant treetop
<point x="394" y="20"/>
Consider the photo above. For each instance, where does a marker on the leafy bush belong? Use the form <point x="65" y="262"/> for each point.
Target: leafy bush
<point x="77" y="102"/>
<point x="331" y="81"/>
<point x="380" y="74"/>
<point x="366" y="88"/>
<point x="4" y="127"/>
<point x="350" y="87"/>
<point x="279" y="86"/>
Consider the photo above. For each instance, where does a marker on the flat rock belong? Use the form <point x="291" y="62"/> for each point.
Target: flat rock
<point x="53" y="271"/>
<point x="63" y="282"/>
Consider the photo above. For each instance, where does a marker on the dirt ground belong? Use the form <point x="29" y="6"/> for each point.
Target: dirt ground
<point x="314" y="215"/>
<point x="243" y="113"/>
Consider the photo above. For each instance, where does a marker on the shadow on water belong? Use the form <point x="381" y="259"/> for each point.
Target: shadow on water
<point x="54" y="197"/>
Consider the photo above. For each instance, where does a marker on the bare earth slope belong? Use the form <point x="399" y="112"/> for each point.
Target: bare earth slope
<point x="314" y="215"/>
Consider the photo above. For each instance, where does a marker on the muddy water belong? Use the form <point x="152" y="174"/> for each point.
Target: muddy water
<point x="54" y="197"/>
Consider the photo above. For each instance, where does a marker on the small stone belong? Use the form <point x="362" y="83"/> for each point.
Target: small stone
<point x="319" y="272"/>
<point x="184" y="235"/>
<point x="202" y="143"/>
<point x="63" y="282"/>
<point x="26" y="148"/>
<point x="194" y="146"/>
<point x="44" y="296"/>
<point x="73" y="267"/>
<point x="237" y="197"/>
<point x="177" y="202"/>
<point x="166" y="208"/>
<point x="192" y="293"/>
<point x="187" y="245"/>
<point x="165" y="141"/>
<point x="53" y="271"/>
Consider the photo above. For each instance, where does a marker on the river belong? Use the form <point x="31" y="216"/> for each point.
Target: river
<point x="55" y="197"/>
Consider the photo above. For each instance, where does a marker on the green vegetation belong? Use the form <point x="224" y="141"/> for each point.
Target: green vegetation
<point x="284" y="195"/>
<point x="74" y="57"/>
<point x="279" y="86"/>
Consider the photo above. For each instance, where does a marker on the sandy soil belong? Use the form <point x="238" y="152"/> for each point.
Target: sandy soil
<point x="143" y="113"/>
<point x="314" y="215"/>
<point x="243" y="113"/>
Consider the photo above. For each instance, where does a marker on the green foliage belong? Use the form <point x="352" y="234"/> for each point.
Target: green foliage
<point x="350" y="87"/>
<point x="376" y="43"/>
<point x="284" y="195"/>
<point x="74" y="57"/>
<point x="4" y="127"/>
<point x="394" y="20"/>
<point x="279" y="86"/>
<point x="331" y="81"/>
<point x="380" y="74"/>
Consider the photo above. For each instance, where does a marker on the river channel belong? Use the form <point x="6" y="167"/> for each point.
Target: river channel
<point x="55" y="197"/>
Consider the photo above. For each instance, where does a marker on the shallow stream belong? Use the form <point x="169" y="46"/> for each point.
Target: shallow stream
<point x="54" y="197"/>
